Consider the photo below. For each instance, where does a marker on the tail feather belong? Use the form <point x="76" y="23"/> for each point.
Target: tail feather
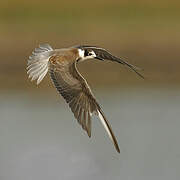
<point x="37" y="66"/>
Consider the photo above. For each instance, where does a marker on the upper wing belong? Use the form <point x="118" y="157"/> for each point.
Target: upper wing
<point x="75" y="90"/>
<point x="104" y="54"/>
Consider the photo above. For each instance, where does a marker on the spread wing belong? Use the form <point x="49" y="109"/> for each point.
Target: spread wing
<point x="75" y="90"/>
<point x="104" y="54"/>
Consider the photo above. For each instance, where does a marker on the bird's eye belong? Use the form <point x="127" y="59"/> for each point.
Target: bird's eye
<point x="87" y="53"/>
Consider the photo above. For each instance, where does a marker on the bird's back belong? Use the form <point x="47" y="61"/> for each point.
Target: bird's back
<point x="66" y="54"/>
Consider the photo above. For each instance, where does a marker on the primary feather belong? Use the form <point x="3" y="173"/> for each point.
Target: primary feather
<point x="61" y="64"/>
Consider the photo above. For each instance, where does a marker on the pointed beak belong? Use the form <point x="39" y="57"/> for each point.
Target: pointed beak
<point x="99" y="58"/>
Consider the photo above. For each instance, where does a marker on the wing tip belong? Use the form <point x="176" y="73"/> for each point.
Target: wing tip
<point x="135" y="69"/>
<point x="118" y="149"/>
<point x="89" y="134"/>
<point x="108" y="129"/>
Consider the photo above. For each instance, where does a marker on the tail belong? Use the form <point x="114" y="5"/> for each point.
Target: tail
<point x="37" y="66"/>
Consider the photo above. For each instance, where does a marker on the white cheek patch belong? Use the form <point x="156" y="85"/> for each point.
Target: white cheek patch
<point x="93" y="54"/>
<point x="81" y="53"/>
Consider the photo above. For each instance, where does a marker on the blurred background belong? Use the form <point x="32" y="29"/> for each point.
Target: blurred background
<point x="39" y="137"/>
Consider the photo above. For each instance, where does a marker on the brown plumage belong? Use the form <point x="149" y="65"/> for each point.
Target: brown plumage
<point x="61" y="64"/>
<point x="75" y="90"/>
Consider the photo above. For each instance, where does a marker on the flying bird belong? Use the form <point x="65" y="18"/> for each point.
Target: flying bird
<point x="61" y="64"/>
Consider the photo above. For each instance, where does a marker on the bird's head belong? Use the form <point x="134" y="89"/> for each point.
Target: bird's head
<point x="87" y="54"/>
